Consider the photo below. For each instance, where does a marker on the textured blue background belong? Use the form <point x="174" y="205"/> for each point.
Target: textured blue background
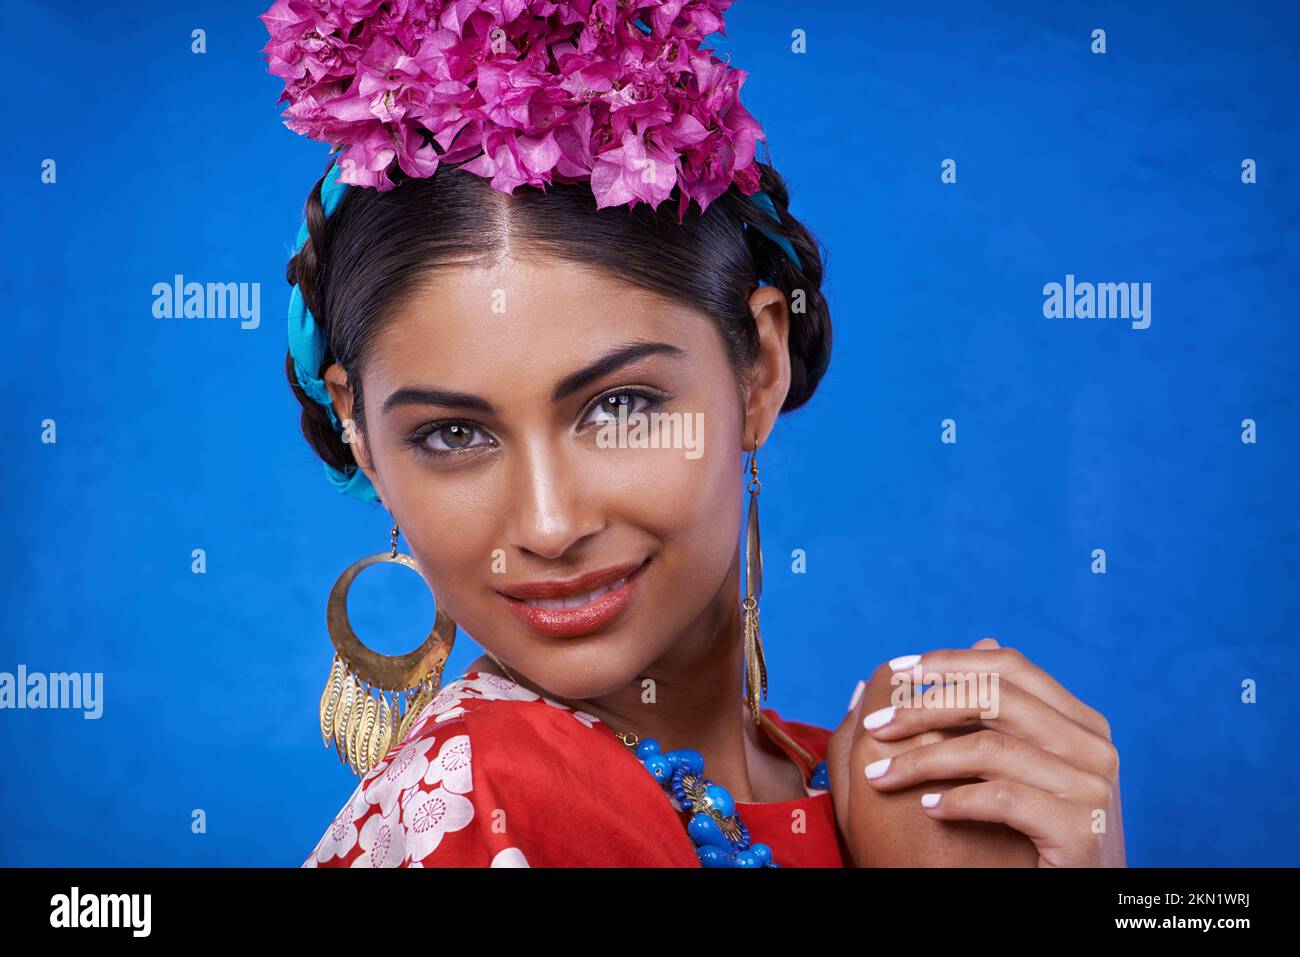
<point x="174" y="435"/>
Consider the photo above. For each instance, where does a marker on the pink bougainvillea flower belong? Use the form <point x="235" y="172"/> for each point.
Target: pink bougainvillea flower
<point x="617" y="93"/>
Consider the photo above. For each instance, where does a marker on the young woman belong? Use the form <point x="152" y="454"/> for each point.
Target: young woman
<point x="544" y="231"/>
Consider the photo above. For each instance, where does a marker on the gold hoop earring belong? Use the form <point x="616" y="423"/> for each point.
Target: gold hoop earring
<point x="361" y="708"/>
<point x="755" y="666"/>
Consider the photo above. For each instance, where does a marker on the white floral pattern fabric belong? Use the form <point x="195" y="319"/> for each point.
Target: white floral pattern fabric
<point x="491" y="774"/>
<point x="409" y="802"/>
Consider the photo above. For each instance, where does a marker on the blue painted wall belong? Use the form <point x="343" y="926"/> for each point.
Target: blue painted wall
<point x="1072" y="434"/>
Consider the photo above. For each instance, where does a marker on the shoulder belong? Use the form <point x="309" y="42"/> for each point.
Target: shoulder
<point x="447" y="785"/>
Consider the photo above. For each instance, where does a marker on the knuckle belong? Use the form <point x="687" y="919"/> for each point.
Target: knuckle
<point x="922" y="738"/>
<point x="1110" y="761"/>
<point x="1015" y="656"/>
<point x="988" y="743"/>
<point x="1004" y="793"/>
<point x="1100" y="792"/>
<point x="1097" y="721"/>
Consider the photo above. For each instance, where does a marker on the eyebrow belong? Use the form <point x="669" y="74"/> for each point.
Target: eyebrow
<point x="423" y="395"/>
<point x="624" y="355"/>
<point x="611" y="361"/>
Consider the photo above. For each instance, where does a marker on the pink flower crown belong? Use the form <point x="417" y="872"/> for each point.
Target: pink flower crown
<point x="520" y="92"/>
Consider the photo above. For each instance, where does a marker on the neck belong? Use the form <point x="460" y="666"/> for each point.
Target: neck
<point x="692" y="697"/>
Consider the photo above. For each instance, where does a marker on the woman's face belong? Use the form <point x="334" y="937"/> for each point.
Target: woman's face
<point x="573" y="551"/>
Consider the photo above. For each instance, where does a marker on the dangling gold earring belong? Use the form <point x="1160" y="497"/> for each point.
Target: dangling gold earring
<point x="755" y="667"/>
<point x="361" y="708"/>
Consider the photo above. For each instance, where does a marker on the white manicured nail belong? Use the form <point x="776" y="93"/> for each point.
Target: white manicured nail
<point x="877" y="718"/>
<point x="857" y="693"/>
<point x="905" y="661"/>
<point x="876" y="768"/>
<point x="929" y="800"/>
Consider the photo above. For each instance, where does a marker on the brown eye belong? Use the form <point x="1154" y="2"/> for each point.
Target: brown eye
<point x="608" y="408"/>
<point x="454" y="437"/>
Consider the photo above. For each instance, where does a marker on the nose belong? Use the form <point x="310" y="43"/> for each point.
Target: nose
<point x="552" y="509"/>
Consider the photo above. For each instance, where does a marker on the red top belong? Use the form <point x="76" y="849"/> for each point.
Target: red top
<point x="548" y="787"/>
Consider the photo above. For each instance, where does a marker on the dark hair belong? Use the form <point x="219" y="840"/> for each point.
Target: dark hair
<point x="357" y="265"/>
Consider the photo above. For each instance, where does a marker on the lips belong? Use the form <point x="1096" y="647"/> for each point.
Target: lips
<point x="568" y="607"/>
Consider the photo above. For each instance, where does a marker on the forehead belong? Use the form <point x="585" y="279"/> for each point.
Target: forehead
<point x="482" y="328"/>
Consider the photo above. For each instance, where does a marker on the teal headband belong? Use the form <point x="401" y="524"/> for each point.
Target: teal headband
<point x="307" y="346"/>
<point x="764" y="200"/>
<point x="307" y="340"/>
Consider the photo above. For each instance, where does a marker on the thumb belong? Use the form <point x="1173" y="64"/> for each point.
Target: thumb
<point x="986" y="643"/>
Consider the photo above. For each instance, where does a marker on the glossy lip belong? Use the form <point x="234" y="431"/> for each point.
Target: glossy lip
<point x="583" y="620"/>
<point x="564" y="587"/>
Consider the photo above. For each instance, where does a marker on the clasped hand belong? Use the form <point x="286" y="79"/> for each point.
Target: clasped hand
<point x="913" y="772"/>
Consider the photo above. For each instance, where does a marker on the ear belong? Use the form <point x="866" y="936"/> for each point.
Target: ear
<point x="336" y="380"/>
<point x="769" y="381"/>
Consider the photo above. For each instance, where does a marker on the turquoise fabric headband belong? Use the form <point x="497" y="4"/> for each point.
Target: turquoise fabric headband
<point x="307" y="346"/>
<point x="307" y="341"/>
<point x="764" y="200"/>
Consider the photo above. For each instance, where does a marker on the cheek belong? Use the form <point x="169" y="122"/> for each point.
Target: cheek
<point x="451" y="529"/>
<point x="690" y="508"/>
<point x="687" y="497"/>
<point x="686" y="493"/>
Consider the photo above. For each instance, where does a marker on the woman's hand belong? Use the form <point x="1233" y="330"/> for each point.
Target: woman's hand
<point x="1025" y="772"/>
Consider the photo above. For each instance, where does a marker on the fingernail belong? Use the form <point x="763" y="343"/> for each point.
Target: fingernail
<point x="904" y="661"/>
<point x="876" y="768"/>
<point x="929" y="800"/>
<point x="857" y="693"/>
<point x="877" y="718"/>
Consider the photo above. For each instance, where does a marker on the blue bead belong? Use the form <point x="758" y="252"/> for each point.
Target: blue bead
<point x="687" y="758"/>
<point x="658" y="765"/>
<point x="748" y="859"/>
<point x="647" y="748"/>
<point x="704" y="830"/>
<point x="711" y="856"/>
<point x="719" y="797"/>
<point x="820" y="776"/>
<point x="679" y="790"/>
<point x="762" y="852"/>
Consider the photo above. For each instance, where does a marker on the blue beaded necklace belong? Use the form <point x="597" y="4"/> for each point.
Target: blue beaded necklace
<point x="720" y="836"/>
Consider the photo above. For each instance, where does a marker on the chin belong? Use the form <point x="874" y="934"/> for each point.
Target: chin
<point x="583" y="676"/>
